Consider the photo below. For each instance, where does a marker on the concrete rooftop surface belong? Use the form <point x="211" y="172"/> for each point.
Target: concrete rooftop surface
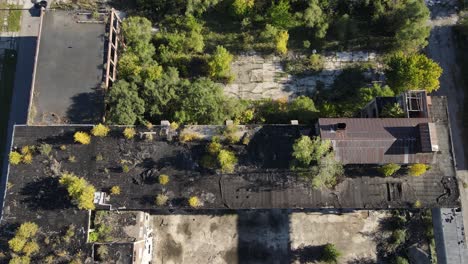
<point x="69" y="70"/>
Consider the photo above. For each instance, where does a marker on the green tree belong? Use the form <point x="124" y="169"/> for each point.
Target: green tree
<point x="282" y="42"/>
<point x="326" y="171"/>
<point x="242" y="7"/>
<point x="79" y="190"/>
<point x="303" y="109"/>
<point x="412" y="72"/>
<point x="220" y="64"/>
<point x="279" y="15"/>
<point x="302" y="151"/>
<point x="392" y="110"/>
<point x="413" y="30"/>
<point x="136" y="30"/>
<point x="198" y="7"/>
<point x="330" y="253"/>
<point x="315" y="17"/>
<point x="389" y="169"/>
<point x="126" y="107"/>
<point x="367" y="94"/>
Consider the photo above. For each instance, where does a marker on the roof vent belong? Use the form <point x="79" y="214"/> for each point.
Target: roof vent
<point x="341" y="126"/>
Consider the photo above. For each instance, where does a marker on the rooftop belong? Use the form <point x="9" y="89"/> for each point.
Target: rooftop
<point x="69" y="70"/>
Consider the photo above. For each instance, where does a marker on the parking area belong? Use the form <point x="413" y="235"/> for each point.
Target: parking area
<point x="67" y="87"/>
<point x="265" y="236"/>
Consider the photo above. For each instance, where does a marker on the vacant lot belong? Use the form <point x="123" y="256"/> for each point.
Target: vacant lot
<point x="273" y="236"/>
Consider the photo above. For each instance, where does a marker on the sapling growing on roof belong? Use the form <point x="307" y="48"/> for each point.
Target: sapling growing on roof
<point x="129" y="132"/>
<point x="417" y="169"/>
<point x="82" y="138"/>
<point x="163" y="179"/>
<point x="15" y="158"/>
<point x="161" y="199"/>
<point x="194" y="202"/>
<point x="100" y="130"/>
<point x="80" y="191"/>
<point x="389" y="169"/>
<point x="45" y="149"/>
<point x="115" y="190"/>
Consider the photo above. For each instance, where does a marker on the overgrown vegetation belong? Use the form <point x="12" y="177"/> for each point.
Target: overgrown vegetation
<point x="219" y="157"/>
<point x="23" y="244"/>
<point x="80" y="191"/>
<point x="82" y="137"/>
<point x="389" y="169"/>
<point x="315" y="160"/>
<point x="417" y="169"/>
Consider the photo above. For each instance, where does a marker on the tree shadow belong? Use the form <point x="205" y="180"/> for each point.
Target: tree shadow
<point x="46" y="194"/>
<point x="86" y="108"/>
<point x="308" y="254"/>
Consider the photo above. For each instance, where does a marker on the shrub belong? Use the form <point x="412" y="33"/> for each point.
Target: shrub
<point x="194" y="202"/>
<point x="17" y="243"/>
<point x="45" y="149"/>
<point x="30" y="248"/>
<point x="187" y="137"/>
<point x="398" y="237"/>
<point x="214" y="147"/>
<point x="79" y="190"/>
<point x="230" y="134"/>
<point x="227" y="160"/>
<point x="125" y="168"/>
<point x="220" y="64"/>
<point x="26" y="150"/>
<point x="163" y="179"/>
<point x="129" y="132"/>
<point x="99" y="157"/>
<point x="302" y="150"/>
<point x="27" y="229"/>
<point x="330" y="253"/>
<point x="102" y="252"/>
<point x="72" y="159"/>
<point x="174" y="126"/>
<point x="100" y="130"/>
<point x="417" y="169"/>
<point x="115" y="190"/>
<point x="50" y="259"/>
<point x="401" y="260"/>
<point x="161" y="199"/>
<point x="27" y="158"/>
<point x="15" y="158"/>
<point x="63" y="147"/>
<point x="389" y="169"/>
<point x="69" y="233"/>
<point x="316" y="62"/>
<point x="82" y="137"/>
<point x="149" y="137"/>
<point x="282" y="42"/>
<point x="417" y="204"/>
<point x="93" y="236"/>
<point x="20" y="260"/>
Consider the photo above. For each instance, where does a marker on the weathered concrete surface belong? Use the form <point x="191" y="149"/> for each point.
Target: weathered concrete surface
<point x="273" y="236"/>
<point x="259" y="77"/>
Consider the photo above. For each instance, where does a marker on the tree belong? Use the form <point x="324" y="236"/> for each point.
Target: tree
<point x="27" y="230"/>
<point x="392" y="110"/>
<point x="198" y="7"/>
<point x="302" y="151"/>
<point x="326" y="172"/>
<point x="15" y="158"/>
<point x="241" y="7"/>
<point x="413" y="30"/>
<point x="227" y="160"/>
<point x="389" y="169"/>
<point x="20" y="260"/>
<point x="79" y="189"/>
<point x="126" y="107"/>
<point x="330" y="253"/>
<point x="136" y="30"/>
<point x="303" y="109"/>
<point x="412" y="72"/>
<point x="282" y="42"/>
<point x="417" y="169"/>
<point x="315" y="17"/>
<point x="82" y="137"/>
<point x="220" y="64"/>
<point x="367" y="94"/>
<point x="279" y="15"/>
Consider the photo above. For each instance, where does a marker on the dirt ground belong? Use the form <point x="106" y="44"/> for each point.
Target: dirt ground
<point x="273" y="236"/>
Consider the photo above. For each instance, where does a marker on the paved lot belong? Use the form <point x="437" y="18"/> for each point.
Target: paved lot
<point x="271" y="237"/>
<point x="69" y="71"/>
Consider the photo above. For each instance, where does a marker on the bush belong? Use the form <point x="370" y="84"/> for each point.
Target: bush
<point x="115" y="190"/>
<point x="20" y="260"/>
<point x="82" y="137"/>
<point x="102" y="252"/>
<point x="230" y="134"/>
<point x="194" y="202"/>
<point x="389" y="169"/>
<point x="27" y="158"/>
<point x="125" y="168"/>
<point x="27" y="230"/>
<point x="417" y="169"/>
<point x="72" y="159"/>
<point x="100" y="130"/>
<point x="398" y="237"/>
<point x="401" y="260"/>
<point x="30" y="248"/>
<point x="282" y="42"/>
<point x="214" y="147"/>
<point x="69" y="234"/>
<point x="187" y="137"/>
<point x="417" y="204"/>
<point x="15" y="158"/>
<point x="163" y="179"/>
<point x="129" y="132"/>
<point x="330" y="254"/>
<point x="316" y="62"/>
<point x="220" y="64"/>
<point x="161" y="199"/>
<point x="45" y="149"/>
<point x="99" y="157"/>
<point x="17" y="243"/>
<point x="27" y="150"/>
<point x="227" y="160"/>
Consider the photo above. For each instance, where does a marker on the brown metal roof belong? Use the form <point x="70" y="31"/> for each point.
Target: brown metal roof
<point x="376" y="140"/>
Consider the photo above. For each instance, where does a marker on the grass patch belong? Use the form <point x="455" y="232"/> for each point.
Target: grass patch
<point x="12" y="15"/>
<point x="6" y="91"/>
